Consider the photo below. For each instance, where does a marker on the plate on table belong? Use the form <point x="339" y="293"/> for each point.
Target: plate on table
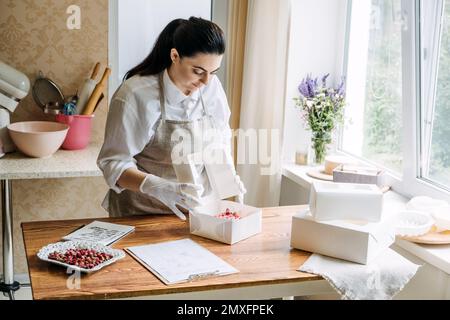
<point x="94" y="251"/>
<point x="319" y="173"/>
<point x="432" y="237"/>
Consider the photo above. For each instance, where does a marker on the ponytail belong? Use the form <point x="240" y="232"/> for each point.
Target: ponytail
<point x="189" y="37"/>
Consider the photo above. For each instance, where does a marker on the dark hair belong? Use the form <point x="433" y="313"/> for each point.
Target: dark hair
<point x="189" y="37"/>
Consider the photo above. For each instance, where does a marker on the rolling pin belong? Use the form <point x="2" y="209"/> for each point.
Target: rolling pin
<point x="90" y="106"/>
<point x="87" y="89"/>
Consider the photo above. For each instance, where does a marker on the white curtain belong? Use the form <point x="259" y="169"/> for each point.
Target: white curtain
<point x="263" y="100"/>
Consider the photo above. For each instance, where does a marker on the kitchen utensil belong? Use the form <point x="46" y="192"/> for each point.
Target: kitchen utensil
<point x="87" y="89"/>
<point x="79" y="133"/>
<point x="14" y="86"/>
<point x="90" y="106"/>
<point x="98" y="103"/>
<point x="53" y="108"/>
<point x="46" y="91"/>
<point x="38" y="139"/>
<point x="69" y="109"/>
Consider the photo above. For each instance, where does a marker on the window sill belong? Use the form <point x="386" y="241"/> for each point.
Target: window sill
<point x="435" y="255"/>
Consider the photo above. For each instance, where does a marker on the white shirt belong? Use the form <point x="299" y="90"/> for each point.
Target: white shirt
<point x="134" y="113"/>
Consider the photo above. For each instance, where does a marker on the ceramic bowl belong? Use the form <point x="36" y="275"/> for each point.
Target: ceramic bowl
<point x="38" y="139"/>
<point x="411" y="223"/>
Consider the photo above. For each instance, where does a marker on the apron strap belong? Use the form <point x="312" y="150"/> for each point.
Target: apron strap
<point x="162" y="97"/>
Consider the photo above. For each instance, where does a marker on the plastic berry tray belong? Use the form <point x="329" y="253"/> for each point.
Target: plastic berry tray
<point x="62" y="247"/>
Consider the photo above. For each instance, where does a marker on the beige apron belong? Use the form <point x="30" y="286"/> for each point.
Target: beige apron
<point x="156" y="159"/>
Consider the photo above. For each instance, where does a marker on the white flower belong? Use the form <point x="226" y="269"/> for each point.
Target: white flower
<point x="309" y="104"/>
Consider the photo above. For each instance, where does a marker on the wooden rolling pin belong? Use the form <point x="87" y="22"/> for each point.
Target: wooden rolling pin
<point x="90" y="106"/>
<point x="87" y="89"/>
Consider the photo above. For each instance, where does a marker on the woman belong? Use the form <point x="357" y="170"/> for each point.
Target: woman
<point x="174" y="90"/>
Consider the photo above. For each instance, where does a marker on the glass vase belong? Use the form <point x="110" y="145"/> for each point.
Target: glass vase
<point x="319" y="146"/>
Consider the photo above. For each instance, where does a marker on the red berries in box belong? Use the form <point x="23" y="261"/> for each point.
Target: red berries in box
<point x="228" y="214"/>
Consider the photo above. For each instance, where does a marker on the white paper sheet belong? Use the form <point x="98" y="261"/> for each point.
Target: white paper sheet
<point x="180" y="261"/>
<point x="100" y="232"/>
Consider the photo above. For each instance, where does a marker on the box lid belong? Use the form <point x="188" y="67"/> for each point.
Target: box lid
<point x="345" y="188"/>
<point x="219" y="169"/>
<point x="377" y="230"/>
<point x="221" y="175"/>
<point x="358" y="169"/>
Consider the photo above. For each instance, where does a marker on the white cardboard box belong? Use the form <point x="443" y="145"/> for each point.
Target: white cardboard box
<point x="202" y="220"/>
<point x="345" y="201"/>
<point x="204" y="223"/>
<point x="358" y="174"/>
<point x="354" y="241"/>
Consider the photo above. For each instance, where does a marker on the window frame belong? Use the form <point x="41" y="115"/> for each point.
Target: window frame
<point x="411" y="183"/>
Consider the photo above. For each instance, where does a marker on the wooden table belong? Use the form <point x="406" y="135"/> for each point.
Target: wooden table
<point x="16" y="166"/>
<point x="266" y="263"/>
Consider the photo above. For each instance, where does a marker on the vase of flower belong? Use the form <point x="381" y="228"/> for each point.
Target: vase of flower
<point x="319" y="144"/>
<point x="322" y="109"/>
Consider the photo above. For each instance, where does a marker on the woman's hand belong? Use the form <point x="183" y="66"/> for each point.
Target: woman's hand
<point x="172" y="193"/>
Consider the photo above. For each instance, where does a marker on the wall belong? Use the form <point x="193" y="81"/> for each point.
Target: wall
<point x="292" y="193"/>
<point x="33" y="37"/>
<point x="316" y="46"/>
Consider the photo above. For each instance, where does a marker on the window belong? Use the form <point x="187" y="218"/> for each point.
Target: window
<point x="374" y="83"/>
<point x="435" y="113"/>
<point x="398" y="90"/>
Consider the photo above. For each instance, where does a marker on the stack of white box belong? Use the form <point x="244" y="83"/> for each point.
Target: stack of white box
<point x="344" y="221"/>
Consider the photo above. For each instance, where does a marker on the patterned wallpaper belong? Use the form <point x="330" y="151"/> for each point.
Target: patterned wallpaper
<point x="34" y="37"/>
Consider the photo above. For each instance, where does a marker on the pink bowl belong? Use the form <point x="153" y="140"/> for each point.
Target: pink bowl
<point x="38" y="139"/>
<point x="79" y="133"/>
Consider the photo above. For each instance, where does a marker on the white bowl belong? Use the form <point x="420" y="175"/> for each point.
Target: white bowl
<point x="424" y="203"/>
<point x="411" y="223"/>
<point x="38" y="139"/>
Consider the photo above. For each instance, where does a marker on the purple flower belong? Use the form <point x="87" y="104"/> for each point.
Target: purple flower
<point x="321" y="104"/>
<point x="308" y="87"/>
<point x="340" y="89"/>
<point x="324" y="80"/>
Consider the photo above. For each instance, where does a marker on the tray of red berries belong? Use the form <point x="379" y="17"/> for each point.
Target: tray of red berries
<point x="83" y="256"/>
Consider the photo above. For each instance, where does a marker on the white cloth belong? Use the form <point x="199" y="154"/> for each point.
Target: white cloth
<point x="135" y="111"/>
<point x="262" y="106"/>
<point x="382" y="279"/>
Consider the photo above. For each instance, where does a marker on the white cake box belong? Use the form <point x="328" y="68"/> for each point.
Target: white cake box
<point x="355" y="241"/>
<point x="202" y="220"/>
<point x="204" y="223"/>
<point x="345" y="201"/>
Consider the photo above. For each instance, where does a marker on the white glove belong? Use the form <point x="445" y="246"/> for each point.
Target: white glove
<point x="172" y="193"/>
<point x="242" y="190"/>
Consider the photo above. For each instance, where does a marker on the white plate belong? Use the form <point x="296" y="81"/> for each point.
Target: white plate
<point x="64" y="246"/>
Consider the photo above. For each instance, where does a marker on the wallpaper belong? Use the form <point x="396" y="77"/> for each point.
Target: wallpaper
<point x="34" y="36"/>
